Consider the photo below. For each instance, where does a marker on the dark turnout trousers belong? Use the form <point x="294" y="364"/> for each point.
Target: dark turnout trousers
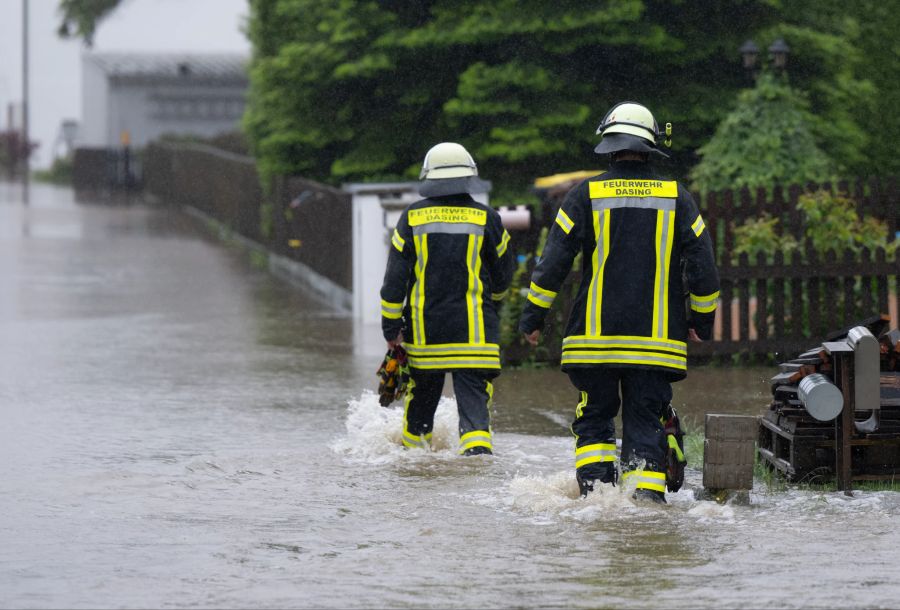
<point x="643" y="395"/>
<point x="474" y="392"/>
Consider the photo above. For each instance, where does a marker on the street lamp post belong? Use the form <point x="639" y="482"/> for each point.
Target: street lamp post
<point x="26" y="145"/>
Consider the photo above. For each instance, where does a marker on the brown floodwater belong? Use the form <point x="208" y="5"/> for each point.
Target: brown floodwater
<point x="178" y="428"/>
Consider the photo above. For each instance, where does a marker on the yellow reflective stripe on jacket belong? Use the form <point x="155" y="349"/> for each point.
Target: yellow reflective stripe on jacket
<point x="626" y="341"/>
<point x="591" y="454"/>
<point x="499" y="296"/>
<point x="704" y="304"/>
<point x="417" y="294"/>
<point x="648" y="358"/>
<point x="665" y="231"/>
<point x="620" y="349"/>
<point x="475" y="290"/>
<point x="602" y="189"/>
<point x="504" y="243"/>
<point x="565" y="223"/>
<point x="397" y="241"/>
<point x="598" y="262"/>
<point x="541" y="296"/>
<point x="646" y="479"/>
<point x="453" y="355"/>
<point x="392" y="311"/>
<point x="476" y="438"/>
<point x="698" y="226"/>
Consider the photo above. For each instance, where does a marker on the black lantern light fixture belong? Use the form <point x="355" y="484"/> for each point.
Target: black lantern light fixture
<point x="779" y="52"/>
<point x="749" y="54"/>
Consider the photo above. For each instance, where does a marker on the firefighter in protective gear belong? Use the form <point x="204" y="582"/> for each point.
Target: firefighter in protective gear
<point x="642" y="239"/>
<point x="448" y="269"/>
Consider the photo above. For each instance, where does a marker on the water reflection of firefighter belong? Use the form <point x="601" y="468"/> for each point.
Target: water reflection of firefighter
<point x="447" y="270"/>
<point x="628" y="327"/>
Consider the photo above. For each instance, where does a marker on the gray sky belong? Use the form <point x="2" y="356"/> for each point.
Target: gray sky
<point x="138" y="25"/>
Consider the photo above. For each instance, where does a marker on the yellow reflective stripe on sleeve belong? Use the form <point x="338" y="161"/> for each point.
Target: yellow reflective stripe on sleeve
<point x="397" y="241"/>
<point x="392" y="311"/>
<point x="665" y="221"/>
<point x="504" y="243"/>
<point x="565" y="223"/>
<point x="417" y="295"/>
<point x="499" y="296"/>
<point x="595" y="290"/>
<point x="698" y="226"/>
<point x="704" y="304"/>
<point x="591" y="454"/>
<point x="645" y="479"/>
<point x="541" y="296"/>
<point x="632" y="188"/>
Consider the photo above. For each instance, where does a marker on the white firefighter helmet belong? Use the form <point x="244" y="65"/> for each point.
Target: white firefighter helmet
<point x="630" y="126"/>
<point x="448" y="160"/>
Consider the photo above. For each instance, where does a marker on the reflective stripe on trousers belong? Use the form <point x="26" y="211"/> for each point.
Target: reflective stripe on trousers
<point x="646" y="479"/>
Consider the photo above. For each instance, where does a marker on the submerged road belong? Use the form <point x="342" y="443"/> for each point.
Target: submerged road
<point x="179" y="428"/>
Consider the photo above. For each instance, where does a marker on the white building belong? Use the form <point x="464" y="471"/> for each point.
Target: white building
<point x="136" y="97"/>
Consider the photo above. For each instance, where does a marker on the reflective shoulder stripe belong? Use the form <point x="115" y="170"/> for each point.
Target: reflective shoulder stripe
<point x="504" y="242"/>
<point x="698" y="226"/>
<point x="603" y="189"/>
<point x="397" y="241"/>
<point x="565" y="223"/>
<point x="705" y="303"/>
<point x="540" y="296"/>
<point x="392" y="311"/>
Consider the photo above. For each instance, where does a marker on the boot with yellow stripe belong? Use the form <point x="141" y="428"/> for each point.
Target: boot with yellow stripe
<point x="650" y="484"/>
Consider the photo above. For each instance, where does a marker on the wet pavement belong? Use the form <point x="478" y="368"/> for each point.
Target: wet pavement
<point x="180" y="429"/>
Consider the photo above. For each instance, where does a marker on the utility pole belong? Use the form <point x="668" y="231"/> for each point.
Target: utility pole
<point x="25" y="135"/>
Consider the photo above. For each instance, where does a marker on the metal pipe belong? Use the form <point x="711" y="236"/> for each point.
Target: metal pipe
<point x="821" y="398"/>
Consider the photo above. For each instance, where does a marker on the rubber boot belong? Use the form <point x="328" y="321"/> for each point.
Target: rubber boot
<point x="648" y="496"/>
<point x="601" y="472"/>
<point x="478" y="451"/>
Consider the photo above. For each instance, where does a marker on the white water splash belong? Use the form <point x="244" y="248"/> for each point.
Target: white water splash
<point x="374" y="433"/>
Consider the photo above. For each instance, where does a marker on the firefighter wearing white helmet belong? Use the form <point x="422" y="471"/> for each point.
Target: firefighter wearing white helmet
<point x="448" y="268"/>
<point x="644" y="244"/>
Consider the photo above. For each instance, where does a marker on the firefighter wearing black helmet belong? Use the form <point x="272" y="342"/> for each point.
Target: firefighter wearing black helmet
<point x="449" y="267"/>
<point x="642" y="238"/>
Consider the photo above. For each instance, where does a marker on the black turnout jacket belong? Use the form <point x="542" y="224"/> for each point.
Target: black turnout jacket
<point x="644" y="245"/>
<point x="448" y="268"/>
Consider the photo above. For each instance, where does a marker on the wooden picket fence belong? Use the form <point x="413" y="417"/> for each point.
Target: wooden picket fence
<point x="772" y="306"/>
<point x="779" y="306"/>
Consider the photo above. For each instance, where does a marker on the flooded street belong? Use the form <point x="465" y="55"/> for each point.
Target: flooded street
<point x="179" y="428"/>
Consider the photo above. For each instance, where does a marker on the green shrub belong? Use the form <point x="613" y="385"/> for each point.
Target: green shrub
<point x="761" y="235"/>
